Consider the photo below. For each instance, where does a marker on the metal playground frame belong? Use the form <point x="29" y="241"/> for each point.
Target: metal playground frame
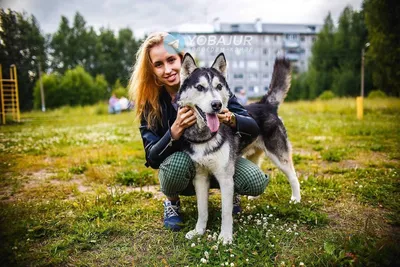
<point x="9" y="95"/>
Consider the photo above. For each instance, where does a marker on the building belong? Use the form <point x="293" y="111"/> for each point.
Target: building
<point x="250" y="49"/>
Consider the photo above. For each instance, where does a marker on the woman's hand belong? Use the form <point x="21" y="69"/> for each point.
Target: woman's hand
<point x="227" y="117"/>
<point x="184" y="119"/>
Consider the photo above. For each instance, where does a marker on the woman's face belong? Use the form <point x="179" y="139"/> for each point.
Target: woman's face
<point x="165" y="66"/>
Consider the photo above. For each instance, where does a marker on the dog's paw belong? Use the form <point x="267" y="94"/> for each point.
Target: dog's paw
<point x="295" y="199"/>
<point x="225" y="238"/>
<point x="193" y="233"/>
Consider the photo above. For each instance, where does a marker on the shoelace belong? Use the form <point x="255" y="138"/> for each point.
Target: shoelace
<point x="171" y="211"/>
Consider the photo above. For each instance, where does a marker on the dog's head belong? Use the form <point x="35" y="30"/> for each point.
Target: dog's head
<point x="204" y="89"/>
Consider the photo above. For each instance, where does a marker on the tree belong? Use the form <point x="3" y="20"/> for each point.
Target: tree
<point x="383" y="55"/>
<point x="22" y="44"/>
<point x="323" y="60"/>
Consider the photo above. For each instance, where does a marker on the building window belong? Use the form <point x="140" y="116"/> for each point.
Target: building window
<point x="254" y="89"/>
<point x="238" y="76"/>
<point x="275" y="37"/>
<point x="266" y="39"/>
<point x="265" y="51"/>
<point x="235" y="27"/>
<point x="265" y="75"/>
<point x="238" y="89"/>
<point x="266" y="63"/>
<point x="302" y="38"/>
<point x="253" y="76"/>
<point x="252" y="64"/>
<point x="291" y="37"/>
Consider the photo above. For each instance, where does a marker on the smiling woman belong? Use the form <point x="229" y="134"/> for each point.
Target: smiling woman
<point x="153" y="86"/>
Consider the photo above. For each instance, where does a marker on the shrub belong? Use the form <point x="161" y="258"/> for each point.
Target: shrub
<point x="376" y="94"/>
<point x="327" y="95"/>
<point x="119" y="90"/>
<point x="51" y="86"/>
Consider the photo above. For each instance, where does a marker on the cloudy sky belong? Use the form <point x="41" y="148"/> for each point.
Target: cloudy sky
<point x="149" y="15"/>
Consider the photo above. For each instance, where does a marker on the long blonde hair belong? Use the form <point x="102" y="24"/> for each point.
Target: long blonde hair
<point x="143" y="88"/>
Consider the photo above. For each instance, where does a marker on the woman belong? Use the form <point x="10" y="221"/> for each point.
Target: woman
<point x="153" y="86"/>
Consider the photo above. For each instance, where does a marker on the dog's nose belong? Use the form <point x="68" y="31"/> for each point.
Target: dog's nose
<point x="216" y="105"/>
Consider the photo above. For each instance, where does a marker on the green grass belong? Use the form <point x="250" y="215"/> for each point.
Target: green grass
<point x="74" y="191"/>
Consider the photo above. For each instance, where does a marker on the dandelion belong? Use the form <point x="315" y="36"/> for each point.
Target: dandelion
<point x="206" y="254"/>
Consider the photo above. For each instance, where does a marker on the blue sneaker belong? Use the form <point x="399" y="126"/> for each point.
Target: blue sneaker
<point x="172" y="216"/>
<point x="236" y="204"/>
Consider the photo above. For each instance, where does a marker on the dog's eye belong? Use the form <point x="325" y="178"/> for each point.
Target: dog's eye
<point x="200" y="87"/>
<point x="219" y="86"/>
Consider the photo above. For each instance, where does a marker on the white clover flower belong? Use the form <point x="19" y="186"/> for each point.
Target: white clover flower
<point x="193" y="245"/>
<point x="271" y="215"/>
<point x="259" y="222"/>
<point x="215" y="247"/>
<point x="203" y="260"/>
<point x="301" y="264"/>
<point x="206" y="254"/>
<point x="247" y="260"/>
<point x="226" y="263"/>
<point x="232" y="256"/>
<point x="232" y="264"/>
<point x="296" y="233"/>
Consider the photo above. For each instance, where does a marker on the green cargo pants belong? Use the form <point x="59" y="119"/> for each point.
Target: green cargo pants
<point x="178" y="170"/>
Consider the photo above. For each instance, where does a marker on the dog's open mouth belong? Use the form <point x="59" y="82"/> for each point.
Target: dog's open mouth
<point x="210" y="118"/>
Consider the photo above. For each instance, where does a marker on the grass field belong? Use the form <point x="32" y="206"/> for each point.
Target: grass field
<point x="75" y="192"/>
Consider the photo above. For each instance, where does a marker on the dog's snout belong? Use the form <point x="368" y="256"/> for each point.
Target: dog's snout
<point x="216" y="105"/>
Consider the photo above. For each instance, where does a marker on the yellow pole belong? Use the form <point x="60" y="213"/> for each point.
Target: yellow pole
<point x="360" y="107"/>
<point x="12" y="93"/>
<point x="16" y="93"/>
<point x="3" y="111"/>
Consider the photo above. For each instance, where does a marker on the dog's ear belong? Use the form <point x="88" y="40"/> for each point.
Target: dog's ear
<point x="220" y="64"/>
<point x="188" y="66"/>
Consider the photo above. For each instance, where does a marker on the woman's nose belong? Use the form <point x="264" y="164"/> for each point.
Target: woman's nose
<point x="168" y="69"/>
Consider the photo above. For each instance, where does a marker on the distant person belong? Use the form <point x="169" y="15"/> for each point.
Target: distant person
<point x="114" y="107"/>
<point x="242" y="97"/>
<point x="124" y="103"/>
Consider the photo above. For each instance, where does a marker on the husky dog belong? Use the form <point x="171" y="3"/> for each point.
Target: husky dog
<point x="215" y="148"/>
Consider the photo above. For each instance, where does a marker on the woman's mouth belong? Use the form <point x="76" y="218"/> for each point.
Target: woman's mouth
<point x="171" y="78"/>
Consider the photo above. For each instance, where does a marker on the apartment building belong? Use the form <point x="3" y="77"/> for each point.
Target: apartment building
<point x="250" y="49"/>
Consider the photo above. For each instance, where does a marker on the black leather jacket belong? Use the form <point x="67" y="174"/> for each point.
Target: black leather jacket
<point x="158" y="143"/>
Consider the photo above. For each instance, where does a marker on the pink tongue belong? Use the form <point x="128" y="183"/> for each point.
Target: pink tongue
<point x="212" y="122"/>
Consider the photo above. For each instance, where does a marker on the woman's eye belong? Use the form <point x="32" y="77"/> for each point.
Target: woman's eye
<point x="219" y="86"/>
<point x="171" y="60"/>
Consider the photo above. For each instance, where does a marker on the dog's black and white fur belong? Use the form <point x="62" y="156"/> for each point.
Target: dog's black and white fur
<point x="215" y="148"/>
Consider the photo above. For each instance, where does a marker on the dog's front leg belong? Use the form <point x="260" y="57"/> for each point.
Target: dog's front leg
<point x="226" y="185"/>
<point x="201" y="184"/>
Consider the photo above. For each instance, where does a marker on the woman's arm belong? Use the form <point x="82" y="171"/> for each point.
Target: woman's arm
<point x="245" y="126"/>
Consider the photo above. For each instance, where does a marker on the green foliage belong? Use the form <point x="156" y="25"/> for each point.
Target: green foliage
<point x="383" y="57"/>
<point x="327" y="95"/>
<point x="119" y="90"/>
<point x="51" y="87"/>
<point x="22" y="44"/>
<point x="376" y="94"/>
<point x="136" y="178"/>
<point x="336" y="57"/>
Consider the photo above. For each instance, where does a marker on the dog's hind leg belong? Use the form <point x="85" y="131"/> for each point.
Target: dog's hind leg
<point x="256" y="156"/>
<point x="280" y="152"/>
<point x="201" y="184"/>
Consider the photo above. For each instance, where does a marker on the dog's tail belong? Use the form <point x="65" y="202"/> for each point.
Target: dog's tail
<point x="280" y="83"/>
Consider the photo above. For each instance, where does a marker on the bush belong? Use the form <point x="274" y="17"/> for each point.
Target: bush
<point x="76" y="87"/>
<point x="376" y="94"/>
<point x="51" y="86"/>
<point x="327" y="95"/>
<point x="119" y="90"/>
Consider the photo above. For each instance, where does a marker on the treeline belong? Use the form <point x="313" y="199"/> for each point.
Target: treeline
<point x="105" y="59"/>
<point x="335" y="65"/>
